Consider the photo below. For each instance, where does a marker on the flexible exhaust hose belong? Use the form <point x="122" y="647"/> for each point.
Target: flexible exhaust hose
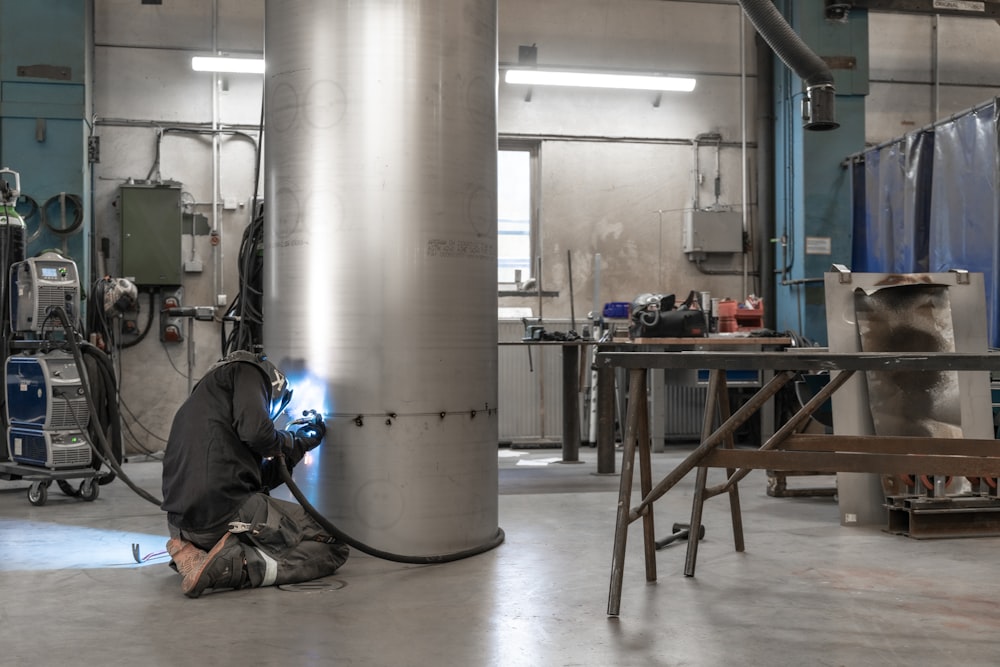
<point x="286" y="477"/>
<point x="796" y="54"/>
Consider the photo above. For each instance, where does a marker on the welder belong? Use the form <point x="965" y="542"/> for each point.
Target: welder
<point x="220" y="462"/>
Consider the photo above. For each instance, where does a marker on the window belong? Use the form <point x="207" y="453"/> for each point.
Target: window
<point x="516" y="220"/>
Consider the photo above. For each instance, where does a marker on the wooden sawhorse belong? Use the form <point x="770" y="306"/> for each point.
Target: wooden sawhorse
<point x="786" y="449"/>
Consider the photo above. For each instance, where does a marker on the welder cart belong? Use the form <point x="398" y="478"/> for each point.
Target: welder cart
<point x="41" y="478"/>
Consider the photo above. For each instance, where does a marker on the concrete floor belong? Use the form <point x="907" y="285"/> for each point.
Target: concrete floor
<point x="806" y="591"/>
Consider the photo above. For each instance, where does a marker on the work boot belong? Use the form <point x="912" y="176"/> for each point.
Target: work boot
<point x="222" y="567"/>
<point x="186" y="557"/>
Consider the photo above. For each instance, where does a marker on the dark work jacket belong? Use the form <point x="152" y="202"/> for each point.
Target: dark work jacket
<point x="220" y="440"/>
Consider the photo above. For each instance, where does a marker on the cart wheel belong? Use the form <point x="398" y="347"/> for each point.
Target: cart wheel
<point x="38" y="493"/>
<point x="89" y="490"/>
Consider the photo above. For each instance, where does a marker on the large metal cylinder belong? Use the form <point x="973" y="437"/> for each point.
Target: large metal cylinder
<point x="380" y="260"/>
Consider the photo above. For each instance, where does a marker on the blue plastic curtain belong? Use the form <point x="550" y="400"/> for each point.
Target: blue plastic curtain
<point x="892" y="206"/>
<point x="862" y="219"/>
<point x="919" y="177"/>
<point x="964" y="215"/>
<point x="929" y="202"/>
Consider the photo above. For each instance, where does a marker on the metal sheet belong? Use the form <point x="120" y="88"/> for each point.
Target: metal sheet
<point x="910" y="317"/>
<point x="861" y="495"/>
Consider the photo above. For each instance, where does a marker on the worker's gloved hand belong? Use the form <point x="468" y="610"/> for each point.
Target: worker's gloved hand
<point x="310" y="435"/>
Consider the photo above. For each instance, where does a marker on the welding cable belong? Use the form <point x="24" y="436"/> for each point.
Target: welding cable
<point x="106" y="373"/>
<point x="105" y="451"/>
<point x="33" y="214"/>
<point x="66" y="203"/>
<point x="149" y="325"/>
<point x="286" y="477"/>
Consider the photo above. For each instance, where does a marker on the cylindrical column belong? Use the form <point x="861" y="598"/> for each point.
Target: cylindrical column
<point x="380" y="259"/>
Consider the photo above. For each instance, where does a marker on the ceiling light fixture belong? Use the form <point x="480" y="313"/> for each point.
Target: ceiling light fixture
<point x="227" y="64"/>
<point x="543" y="77"/>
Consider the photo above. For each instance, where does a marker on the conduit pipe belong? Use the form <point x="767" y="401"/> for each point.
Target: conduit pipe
<point x="819" y="107"/>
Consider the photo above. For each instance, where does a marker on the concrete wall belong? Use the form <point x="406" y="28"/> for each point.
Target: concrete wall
<point x="616" y="169"/>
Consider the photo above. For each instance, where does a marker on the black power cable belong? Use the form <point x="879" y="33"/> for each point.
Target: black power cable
<point x="286" y="477"/>
<point x="104" y="452"/>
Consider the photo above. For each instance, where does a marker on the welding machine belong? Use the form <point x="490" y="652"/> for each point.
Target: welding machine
<point x="46" y="391"/>
<point x="51" y="449"/>
<point x="39" y="284"/>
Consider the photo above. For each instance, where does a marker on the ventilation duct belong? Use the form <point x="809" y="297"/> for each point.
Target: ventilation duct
<point x="819" y="105"/>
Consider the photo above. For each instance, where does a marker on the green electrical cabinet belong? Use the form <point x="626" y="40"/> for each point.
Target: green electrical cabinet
<point x="151" y="234"/>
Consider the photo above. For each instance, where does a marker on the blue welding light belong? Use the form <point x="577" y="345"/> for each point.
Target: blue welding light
<point x="309" y="394"/>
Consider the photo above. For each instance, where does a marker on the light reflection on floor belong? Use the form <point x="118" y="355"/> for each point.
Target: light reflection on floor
<point x="52" y="546"/>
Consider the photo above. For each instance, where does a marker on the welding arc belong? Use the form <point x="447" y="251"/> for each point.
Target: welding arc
<point x="286" y="477"/>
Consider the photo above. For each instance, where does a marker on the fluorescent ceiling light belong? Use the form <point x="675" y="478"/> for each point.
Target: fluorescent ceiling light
<point x="225" y="64"/>
<point x="538" y="77"/>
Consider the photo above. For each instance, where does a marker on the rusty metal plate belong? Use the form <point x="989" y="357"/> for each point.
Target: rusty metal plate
<point x="55" y="72"/>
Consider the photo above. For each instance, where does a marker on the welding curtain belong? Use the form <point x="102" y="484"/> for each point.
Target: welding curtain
<point x="928" y="202"/>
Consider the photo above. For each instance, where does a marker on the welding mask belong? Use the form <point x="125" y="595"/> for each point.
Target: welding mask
<point x="280" y="392"/>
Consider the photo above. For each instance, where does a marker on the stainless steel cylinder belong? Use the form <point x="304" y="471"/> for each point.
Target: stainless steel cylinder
<point x="380" y="259"/>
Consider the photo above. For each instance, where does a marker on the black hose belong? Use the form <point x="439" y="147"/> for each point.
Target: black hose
<point x="110" y="404"/>
<point x="149" y="325"/>
<point x="64" y="200"/>
<point x="794" y="52"/>
<point x="286" y="477"/>
<point x="105" y="452"/>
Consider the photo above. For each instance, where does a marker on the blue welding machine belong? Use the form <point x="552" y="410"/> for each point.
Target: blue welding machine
<point x="46" y="391"/>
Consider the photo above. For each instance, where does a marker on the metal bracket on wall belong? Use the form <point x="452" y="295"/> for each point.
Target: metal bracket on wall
<point x="55" y="72"/>
<point x="93" y="149"/>
<point x="845" y="273"/>
<point x="961" y="277"/>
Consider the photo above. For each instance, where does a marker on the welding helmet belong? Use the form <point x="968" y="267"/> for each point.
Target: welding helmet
<point x="280" y="392"/>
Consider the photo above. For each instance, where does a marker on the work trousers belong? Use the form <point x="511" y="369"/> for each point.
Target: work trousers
<point x="282" y="543"/>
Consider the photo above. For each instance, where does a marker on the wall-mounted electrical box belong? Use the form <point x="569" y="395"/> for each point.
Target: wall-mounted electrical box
<point x="712" y="232"/>
<point x="151" y="233"/>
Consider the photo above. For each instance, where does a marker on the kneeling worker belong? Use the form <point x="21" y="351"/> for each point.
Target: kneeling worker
<point x="226" y="531"/>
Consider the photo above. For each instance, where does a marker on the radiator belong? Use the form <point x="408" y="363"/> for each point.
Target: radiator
<point x="684" y="411"/>
<point x="529" y="393"/>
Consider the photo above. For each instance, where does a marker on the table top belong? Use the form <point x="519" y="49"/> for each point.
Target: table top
<point x="723" y="341"/>
<point x="800" y="359"/>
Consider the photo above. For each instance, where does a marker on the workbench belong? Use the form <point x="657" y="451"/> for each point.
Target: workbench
<point x="654" y="381"/>
<point x="786" y="449"/>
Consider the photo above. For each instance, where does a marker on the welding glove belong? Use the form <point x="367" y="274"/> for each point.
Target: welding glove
<point x="310" y="435"/>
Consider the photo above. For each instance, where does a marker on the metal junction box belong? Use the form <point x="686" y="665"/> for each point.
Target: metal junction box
<point x="712" y="231"/>
<point x="151" y="234"/>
